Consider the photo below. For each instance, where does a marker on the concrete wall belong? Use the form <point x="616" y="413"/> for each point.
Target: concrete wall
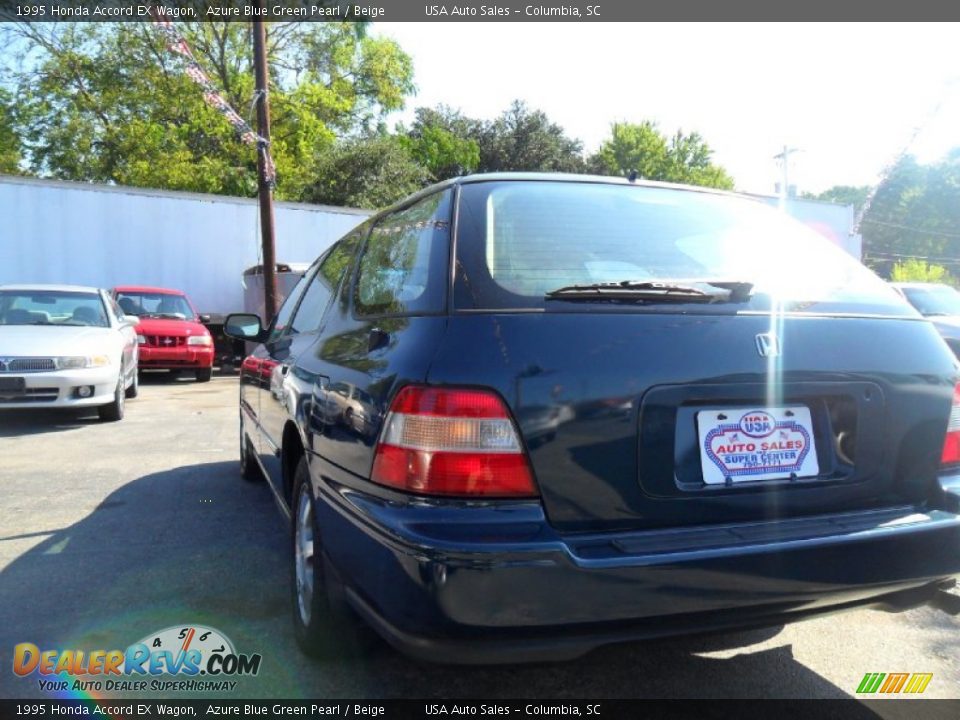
<point x="64" y="232"/>
<point x="833" y="221"/>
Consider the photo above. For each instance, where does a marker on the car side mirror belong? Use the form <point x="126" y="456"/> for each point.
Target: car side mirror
<point x="244" y="326"/>
<point x="205" y="319"/>
<point x="129" y="320"/>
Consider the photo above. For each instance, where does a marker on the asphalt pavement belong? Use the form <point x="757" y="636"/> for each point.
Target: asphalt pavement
<point x="110" y="532"/>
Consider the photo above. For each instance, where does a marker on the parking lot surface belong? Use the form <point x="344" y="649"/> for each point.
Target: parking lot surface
<point x="113" y="531"/>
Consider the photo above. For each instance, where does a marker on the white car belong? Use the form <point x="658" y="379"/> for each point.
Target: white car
<point x="65" y="346"/>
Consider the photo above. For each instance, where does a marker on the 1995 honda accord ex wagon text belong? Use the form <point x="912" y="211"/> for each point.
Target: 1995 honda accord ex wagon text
<point x="516" y="417"/>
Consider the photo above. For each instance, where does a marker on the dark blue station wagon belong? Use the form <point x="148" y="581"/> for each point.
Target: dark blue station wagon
<point x="516" y="417"/>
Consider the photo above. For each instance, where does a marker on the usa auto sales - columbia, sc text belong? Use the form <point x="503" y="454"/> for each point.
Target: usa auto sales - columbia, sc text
<point x="495" y="11"/>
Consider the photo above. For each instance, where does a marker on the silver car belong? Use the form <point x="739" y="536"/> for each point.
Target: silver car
<point x="65" y="346"/>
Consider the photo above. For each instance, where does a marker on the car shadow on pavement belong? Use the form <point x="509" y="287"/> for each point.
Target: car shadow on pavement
<point x="35" y="421"/>
<point x="198" y="545"/>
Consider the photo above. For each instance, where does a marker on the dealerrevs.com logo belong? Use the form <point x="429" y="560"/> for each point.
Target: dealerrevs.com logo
<point x="202" y="658"/>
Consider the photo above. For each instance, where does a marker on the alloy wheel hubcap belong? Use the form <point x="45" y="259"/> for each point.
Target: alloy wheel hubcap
<point x="303" y="556"/>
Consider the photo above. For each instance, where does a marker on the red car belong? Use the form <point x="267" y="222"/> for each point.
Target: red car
<point x="170" y="334"/>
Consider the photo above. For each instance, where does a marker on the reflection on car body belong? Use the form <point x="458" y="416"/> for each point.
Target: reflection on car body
<point x="528" y="415"/>
<point x="940" y="304"/>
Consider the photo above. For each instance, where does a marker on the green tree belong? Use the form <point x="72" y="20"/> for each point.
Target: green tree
<point x="842" y="195"/>
<point x="913" y="270"/>
<point x="10" y="153"/>
<point x="369" y="172"/>
<point x="441" y="151"/>
<point x="106" y="102"/>
<point x="526" y="140"/>
<point x="641" y="147"/>
<point x="915" y="213"/>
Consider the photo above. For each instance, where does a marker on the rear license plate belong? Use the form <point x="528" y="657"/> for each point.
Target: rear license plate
<point x="756" y="444"/>
<point x="12" y="385"/>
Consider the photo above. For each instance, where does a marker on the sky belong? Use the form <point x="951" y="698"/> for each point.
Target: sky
<point x="848" y="96"/>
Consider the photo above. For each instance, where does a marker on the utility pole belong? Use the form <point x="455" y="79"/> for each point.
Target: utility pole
<point x="784" y="158"/>
<point x="265" y="189"/>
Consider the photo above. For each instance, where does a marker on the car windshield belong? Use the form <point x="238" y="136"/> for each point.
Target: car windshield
<point x="519" y="241"/>
<point x="52" y="307"/>
<point x="934" y="300"/>
<point x="147" y="304"/>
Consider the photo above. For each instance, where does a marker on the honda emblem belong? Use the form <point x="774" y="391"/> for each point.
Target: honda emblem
<point x="768" y="345"/>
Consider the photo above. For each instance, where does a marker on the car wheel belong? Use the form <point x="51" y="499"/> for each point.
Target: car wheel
<point x="114" y="411"/>
<point x="248" y="465"/>
<point x="134" y="388"/>
<point x="324" y="626"/>
<point x="204" y="374"/>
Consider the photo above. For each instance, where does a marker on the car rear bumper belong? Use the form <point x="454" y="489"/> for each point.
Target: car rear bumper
<point x="495" y="584"/>
<point x="59" y="389"/>
<point x="175" y="358"/>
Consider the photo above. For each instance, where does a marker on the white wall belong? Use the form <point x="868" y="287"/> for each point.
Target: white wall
<point x="60" y="232"/>
<point x="834" y="222"/>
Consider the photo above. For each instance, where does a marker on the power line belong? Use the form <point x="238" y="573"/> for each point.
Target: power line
<point x="881" y="255"/>
<point x="911" y="229"/>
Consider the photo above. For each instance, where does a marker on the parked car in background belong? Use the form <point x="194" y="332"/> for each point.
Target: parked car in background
<point x="170" y="331"/>
<point x="598" y="411"/>
<point x="938" y="303"/>
<point x="65" y="346"/>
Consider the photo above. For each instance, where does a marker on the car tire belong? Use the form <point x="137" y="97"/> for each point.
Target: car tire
<point x="249" y="470"/>
<point x="134" y="388"/>
<point x="113" y="412"/>
<point x="204" y="374"/>
<point x="324" y="626"/>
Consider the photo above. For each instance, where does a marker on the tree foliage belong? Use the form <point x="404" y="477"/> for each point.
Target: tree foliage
<point x="915" y="213"/>
<point x="854" y="195"/>
<point x="10" y="153"/>
<point x="369" y="172"/>
<point x="521" y="139"/>
<point x="107" y="102"/>
<point x="913" y="270"/>
<point x="641" y="147"/>
<point x="442" y="142"/>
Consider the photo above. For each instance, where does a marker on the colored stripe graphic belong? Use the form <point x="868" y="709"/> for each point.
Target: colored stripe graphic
<point x="892" y="683"/>
<point x="918" y="683"/>
<point x="870" y="682"/>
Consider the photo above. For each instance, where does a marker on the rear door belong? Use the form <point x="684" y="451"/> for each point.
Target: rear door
<point x="381" y="332"/>
<point x="286" y="390"/>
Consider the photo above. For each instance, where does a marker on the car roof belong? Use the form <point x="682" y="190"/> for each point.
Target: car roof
<point x="147" y="289"/>
<point x="52" y="288"/>
<point x="551" y="177"/>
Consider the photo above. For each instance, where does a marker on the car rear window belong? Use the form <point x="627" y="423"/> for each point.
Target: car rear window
<point x="517" y="241"/>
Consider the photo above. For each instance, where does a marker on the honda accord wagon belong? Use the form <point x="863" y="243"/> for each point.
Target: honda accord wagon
<point x="587" y="410"/>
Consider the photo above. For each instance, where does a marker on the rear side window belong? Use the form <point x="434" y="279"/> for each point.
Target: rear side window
<point x="289" y="305"/>
<point x="403" y="267"/>
<point x="323" y="285"/>
<point x="518" y="241"/>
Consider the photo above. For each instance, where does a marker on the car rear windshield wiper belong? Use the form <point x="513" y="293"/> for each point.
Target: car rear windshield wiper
<point x="695" y="291"/>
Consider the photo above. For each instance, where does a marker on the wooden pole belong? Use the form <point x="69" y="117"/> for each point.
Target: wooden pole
<point x="265" y="188"/>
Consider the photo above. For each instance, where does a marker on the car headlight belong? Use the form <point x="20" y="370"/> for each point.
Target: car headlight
<point x="199" y="340"/>
<point x="76" y="362"/>
<point x="141" y="340"/>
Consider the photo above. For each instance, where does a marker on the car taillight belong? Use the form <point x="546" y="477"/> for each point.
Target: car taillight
<point x="951" y="444"/>
<point x="453" y="442"/>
